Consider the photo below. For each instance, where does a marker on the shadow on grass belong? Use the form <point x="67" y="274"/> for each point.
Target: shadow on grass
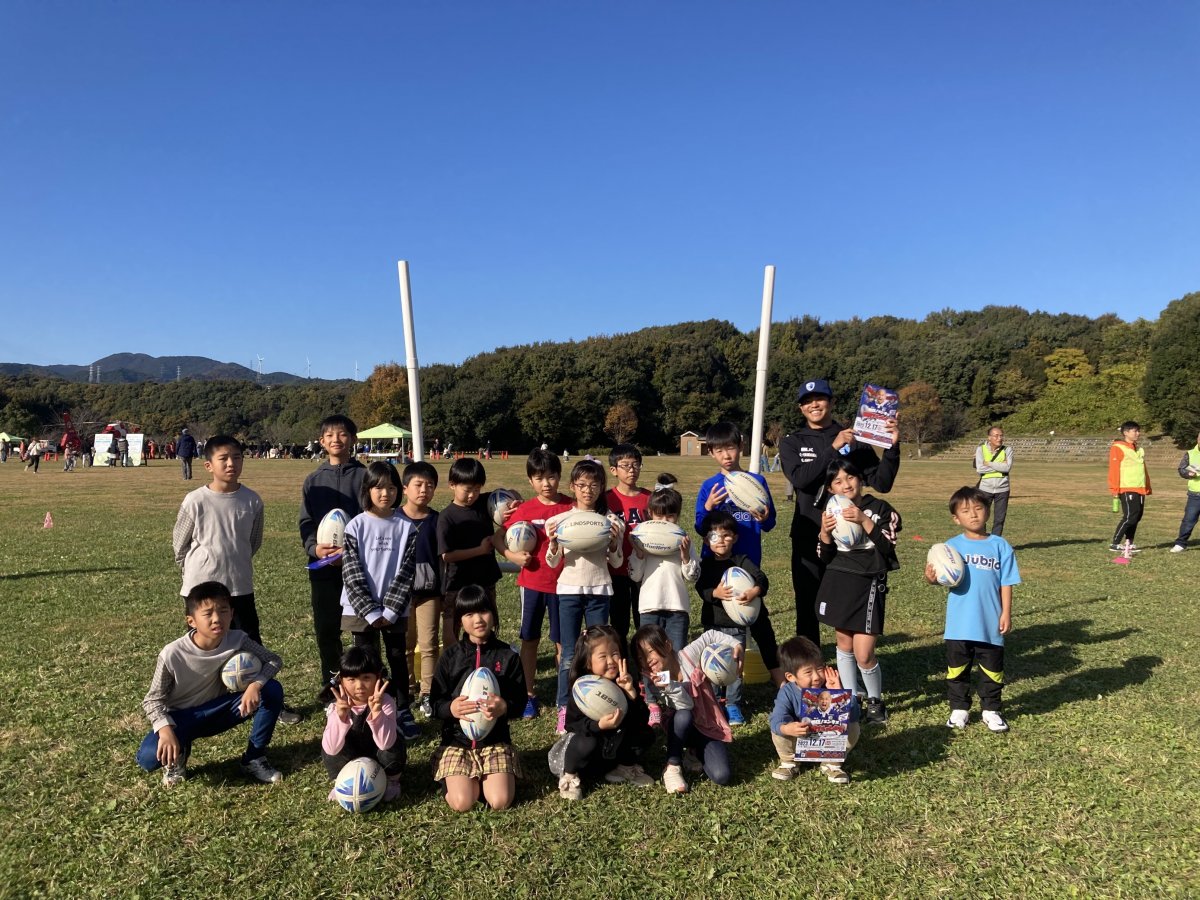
<point x="1062" y="542"/>
<point x="881" y="753"/>
<point x="19" y="575"/>
<point x="1085" y="685"/>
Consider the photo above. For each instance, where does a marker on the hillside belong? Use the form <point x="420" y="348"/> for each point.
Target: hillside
<point x="131" y="368"/>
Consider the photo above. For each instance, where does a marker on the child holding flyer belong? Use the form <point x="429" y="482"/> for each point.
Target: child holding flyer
<point x="804" y="669"/>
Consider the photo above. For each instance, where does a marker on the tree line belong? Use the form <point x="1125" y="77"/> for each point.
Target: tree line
<point x="956" y="371"/>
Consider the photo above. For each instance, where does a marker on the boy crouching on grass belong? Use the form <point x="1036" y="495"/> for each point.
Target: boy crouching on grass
<point x="804" y="668"/>
<point x="187" y="699"/>
<point x="978" y="610"/>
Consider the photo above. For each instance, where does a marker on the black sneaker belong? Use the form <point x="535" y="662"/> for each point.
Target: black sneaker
<point x="876" y="712"/>
<point x="289" y="716"/>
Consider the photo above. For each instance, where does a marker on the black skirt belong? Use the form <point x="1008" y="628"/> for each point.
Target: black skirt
<point x="850" y="602"/>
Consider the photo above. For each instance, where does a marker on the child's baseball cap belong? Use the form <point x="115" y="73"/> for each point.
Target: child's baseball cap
<point x="818" y="386"/>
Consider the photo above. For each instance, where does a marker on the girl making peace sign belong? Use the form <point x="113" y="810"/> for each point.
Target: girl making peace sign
<point x="611" y="747"/>
<point x="361" y="718"/>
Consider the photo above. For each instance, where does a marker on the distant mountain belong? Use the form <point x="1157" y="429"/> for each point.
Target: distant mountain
<point x="124" y="368"/>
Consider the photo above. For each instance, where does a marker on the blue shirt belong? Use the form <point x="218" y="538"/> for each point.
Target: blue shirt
<point x="749" y="534"/>
<point x="973" y="608"/>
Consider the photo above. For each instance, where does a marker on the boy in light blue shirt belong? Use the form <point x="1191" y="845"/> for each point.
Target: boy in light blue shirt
<point x="978" y="610"/>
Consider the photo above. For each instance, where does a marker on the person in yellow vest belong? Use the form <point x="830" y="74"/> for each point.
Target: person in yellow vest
<point x="1129" y="481"/>
<point x="992" y="462"/>
<point x="1189" y="468"/>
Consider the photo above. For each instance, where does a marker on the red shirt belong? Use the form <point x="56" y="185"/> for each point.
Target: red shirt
<point x="537" y="576"/>
<point x="632" y="510"/>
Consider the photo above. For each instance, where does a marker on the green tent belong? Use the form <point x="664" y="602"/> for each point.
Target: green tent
<point x="386" y="432"/>
<point x="11" y="438"/>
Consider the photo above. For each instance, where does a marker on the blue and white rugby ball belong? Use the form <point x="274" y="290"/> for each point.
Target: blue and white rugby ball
<point x="479" y="684"/>
<point x="360" y="785"/>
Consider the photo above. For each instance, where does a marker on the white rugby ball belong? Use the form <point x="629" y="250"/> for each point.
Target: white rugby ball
<point x="498" y="501"/>
<point x="240" y="670"/>
<point x="847" y="535"/>
<point x="332" y="529"/>
<point x="948" y="565"/>
<point x="738" y="580"/>
<point x="479" y="684"/>
<point x="718" y="665"/>
<point x="596" y="697"/>
<point x="360" y="784"/>
<point x="658" y="537"/>
<point x="582" y="531"/>
<point x="747" y="492"/>
<point x="521" y="536"/>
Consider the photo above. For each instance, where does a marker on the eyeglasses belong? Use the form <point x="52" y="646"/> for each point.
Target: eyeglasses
<point x="628" y="467"/>
<point x="589" y="487"/>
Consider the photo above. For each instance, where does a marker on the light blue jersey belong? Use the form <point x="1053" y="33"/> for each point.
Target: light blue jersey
<point x="973" y="608"/>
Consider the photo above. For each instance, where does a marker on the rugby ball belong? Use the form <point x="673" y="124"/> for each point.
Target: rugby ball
<point x="747" y="492"/>
<point x="332" y="529"/>
<point x="948" y="565"/>
<point x="658" y="537"/>
<point x="582" y="531"/>
<point x="718" y="665"/>
<point x="596" y="697"/>
<point x="498" y="503"/>
<point x="240" y="670"/>
<point x="522" y="536"/>
<point x="478" y="685"/>
<point x="738" y="580"/>
<point x="847" y="535"/>
<point x="360" y="784"/>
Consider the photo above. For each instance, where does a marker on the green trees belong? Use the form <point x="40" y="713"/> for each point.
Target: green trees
<point x="1171" y="386"/>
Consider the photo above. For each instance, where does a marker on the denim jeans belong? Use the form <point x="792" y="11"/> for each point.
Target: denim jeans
<point x="216" y="717"/>
<point x="574" y="611"/>
<point x="733" y="692"/>
<point x="713" y="753"/>
<point x="1191" y="515"/>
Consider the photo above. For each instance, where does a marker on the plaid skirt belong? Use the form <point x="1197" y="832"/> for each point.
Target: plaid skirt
<point x="495" y="759"/>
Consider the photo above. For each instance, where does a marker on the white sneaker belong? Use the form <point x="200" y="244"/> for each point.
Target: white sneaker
<point x="958" y="718"/>
<point x="175" y="774"/>
<point x="569" y="787"/>
<point x="674" y="781"/>
<point x="260" y="770"/>
<point x="1178" y="548"/>
<point x="629" y="775"/>
<point x="993" y="720"/>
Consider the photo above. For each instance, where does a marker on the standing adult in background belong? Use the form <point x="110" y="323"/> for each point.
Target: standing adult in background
<point x="185" y="449"/>
<point x="1128" y="481"/>
<point x="992" y="462"/>
<point x="1189" y="468"/>
<point x="806" y="454"/>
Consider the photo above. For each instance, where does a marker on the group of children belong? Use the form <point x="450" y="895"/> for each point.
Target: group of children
<point x="412" y="578"/>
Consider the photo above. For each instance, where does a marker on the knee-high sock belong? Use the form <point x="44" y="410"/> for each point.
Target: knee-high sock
<point x="847" y="670"/>
<point x="873" y="681"/>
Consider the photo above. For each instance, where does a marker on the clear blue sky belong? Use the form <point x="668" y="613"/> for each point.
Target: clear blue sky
<point x="234" y="179"/>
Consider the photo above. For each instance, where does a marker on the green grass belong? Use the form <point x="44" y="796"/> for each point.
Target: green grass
<point x="1092" y="793"/>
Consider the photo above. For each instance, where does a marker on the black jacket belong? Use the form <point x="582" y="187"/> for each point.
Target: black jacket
<point x="453" y="667"/>
<point x="325" y="489"/>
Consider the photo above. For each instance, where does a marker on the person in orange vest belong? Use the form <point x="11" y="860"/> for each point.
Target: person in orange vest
<point x="1129" y="482"/>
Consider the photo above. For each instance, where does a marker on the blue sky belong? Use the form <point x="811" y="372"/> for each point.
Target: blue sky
<point x="235" y="179"/>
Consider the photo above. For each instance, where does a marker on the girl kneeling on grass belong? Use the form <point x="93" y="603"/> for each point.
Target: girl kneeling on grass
<point x="489" y="765"/>
<point x="852" y="593"/>
<point x="695" y="722"/>
<point x="612" y="746"/>
<point x="361" y="719"/>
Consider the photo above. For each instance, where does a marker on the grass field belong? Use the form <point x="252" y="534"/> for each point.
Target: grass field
<point x="1092" y="793"/>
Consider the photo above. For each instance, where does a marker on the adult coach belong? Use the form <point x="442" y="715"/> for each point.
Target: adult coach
<point x="806" y="454"/>
<point x="1189" y="468"/>
<point x="185" y="449"/>
<point x="993" y="461"/>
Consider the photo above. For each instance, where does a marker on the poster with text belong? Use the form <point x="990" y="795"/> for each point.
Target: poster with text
<point x="876" y="407"/>
<point x="829" y="712"/>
